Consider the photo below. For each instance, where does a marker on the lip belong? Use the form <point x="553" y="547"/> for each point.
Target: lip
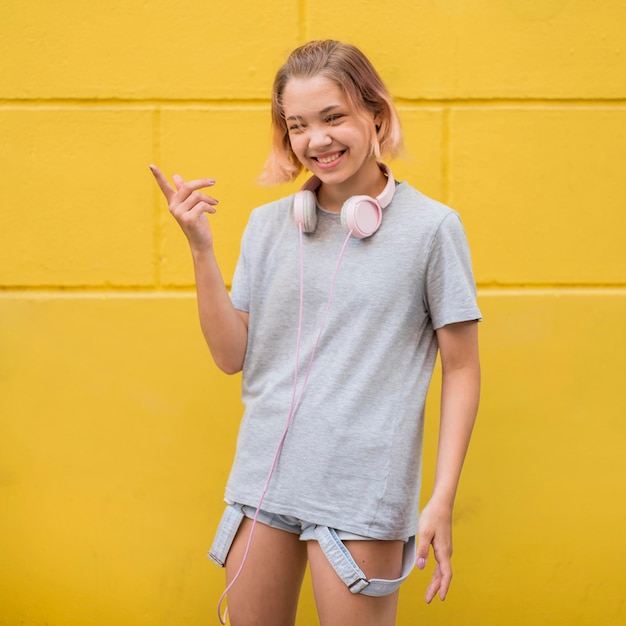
<point x="337" y="154"/>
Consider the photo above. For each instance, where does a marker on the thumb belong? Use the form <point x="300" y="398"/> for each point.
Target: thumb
<point x="178" y="181"/>
<point x="423" y="546"/>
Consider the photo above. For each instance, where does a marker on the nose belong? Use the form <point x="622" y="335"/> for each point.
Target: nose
<point x="319" y="137"/>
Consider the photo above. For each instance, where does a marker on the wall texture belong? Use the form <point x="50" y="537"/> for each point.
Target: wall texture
<point x="116" y="430"/>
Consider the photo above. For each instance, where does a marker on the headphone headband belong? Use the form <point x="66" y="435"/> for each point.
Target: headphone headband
<point x="384" y="198"/>
<point x="360" y="215"/>
<point x="386" y="195"/>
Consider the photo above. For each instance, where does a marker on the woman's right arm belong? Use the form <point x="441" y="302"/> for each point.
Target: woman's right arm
<point x="224" y="327"/>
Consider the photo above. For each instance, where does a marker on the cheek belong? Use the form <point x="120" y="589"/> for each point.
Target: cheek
<point x="297" y="144"/>
<point x="357" y="135"/>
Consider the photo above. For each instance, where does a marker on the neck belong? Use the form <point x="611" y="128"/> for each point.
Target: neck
<point x="368" y="181"/>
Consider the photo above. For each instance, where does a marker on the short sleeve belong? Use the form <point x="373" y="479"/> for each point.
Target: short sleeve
<point x="240" y="291"/>
<point x="450" y="286"/>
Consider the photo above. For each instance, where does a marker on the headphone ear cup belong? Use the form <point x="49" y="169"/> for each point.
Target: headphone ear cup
<point x="305" y="210"/>
<point x="362" y="216"/>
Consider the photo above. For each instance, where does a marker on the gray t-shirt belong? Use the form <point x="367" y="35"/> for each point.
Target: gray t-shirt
<point x="351" y="459"/>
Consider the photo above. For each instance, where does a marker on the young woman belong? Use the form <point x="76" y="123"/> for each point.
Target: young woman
<point x="342" y="296"/>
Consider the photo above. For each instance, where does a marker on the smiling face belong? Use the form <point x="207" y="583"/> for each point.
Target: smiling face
<point x="330" y="136"/>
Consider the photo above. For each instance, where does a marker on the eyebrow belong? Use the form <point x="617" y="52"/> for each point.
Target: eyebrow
<point x="325" y="110"/>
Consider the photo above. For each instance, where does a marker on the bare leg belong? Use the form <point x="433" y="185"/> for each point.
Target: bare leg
<point x="336" y="605"/>
<point x="268" y="587"/>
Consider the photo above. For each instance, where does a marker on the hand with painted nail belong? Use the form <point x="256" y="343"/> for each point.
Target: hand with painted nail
<point x="435" y="529"/>
<point x="189" y="206"/>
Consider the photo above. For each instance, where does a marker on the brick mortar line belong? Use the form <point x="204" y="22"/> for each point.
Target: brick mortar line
<point x="302" y="20"/>
<point x="446" y="147"/>
<point x="189" y="291"/>
<point x="157" y="198"/>
<point x="264" y="104"/>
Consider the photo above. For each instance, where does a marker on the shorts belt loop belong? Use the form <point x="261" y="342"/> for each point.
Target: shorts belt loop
<point x="351" y="574"/>
<point x="341" y="560"/>
<point x="227" y="529"/>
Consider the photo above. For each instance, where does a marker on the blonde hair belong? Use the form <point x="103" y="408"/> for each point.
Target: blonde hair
<point x="354" y="74"/>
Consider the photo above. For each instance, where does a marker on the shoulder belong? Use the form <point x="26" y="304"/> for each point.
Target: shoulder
<point x="413" y="209"/>
<point x="267" y="226"/>
<point x="269" y="218"/>
<point x="277" y="209"/>
<point x="410" y="198"/>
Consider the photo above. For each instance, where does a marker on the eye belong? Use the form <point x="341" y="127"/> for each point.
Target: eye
<point x="333" y="119"/>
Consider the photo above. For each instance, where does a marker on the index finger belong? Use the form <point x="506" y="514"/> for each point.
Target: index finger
<point x="165" y="187"/>
<point x="444" y="567"/>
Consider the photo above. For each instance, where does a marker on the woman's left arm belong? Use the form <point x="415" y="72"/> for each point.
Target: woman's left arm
<point x="460" y="390"/>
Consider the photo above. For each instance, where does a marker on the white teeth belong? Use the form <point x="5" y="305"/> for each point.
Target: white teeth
<point x="329" y="159"/>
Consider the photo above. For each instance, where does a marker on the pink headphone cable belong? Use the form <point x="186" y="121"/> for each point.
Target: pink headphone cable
<point x="294" y="405"/>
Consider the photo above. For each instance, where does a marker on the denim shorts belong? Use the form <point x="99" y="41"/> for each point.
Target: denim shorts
<point x="329" y="539"/>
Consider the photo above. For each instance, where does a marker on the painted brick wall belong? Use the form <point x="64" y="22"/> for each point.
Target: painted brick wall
<point x="117" y="431"/>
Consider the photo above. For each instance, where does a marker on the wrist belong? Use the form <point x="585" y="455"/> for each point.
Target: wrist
<point x="202" y="253"/>
<point x="442" y="499"/>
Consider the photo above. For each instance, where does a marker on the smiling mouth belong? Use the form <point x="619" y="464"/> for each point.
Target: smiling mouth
<point x="328" y="158"/>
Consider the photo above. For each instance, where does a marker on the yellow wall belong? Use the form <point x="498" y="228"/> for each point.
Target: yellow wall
<point x="117" y="431"/>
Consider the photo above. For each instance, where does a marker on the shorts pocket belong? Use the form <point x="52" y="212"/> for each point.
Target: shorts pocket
<point x="226" y="531"/>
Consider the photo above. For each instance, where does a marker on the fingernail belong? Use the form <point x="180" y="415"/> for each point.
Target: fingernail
<point x="421" y="563"/>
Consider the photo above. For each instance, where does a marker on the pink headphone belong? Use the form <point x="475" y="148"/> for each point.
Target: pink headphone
<point x="360" y="215"/>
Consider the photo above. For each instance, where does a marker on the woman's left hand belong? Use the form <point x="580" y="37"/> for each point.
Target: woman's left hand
<point x="435" y="528"/>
